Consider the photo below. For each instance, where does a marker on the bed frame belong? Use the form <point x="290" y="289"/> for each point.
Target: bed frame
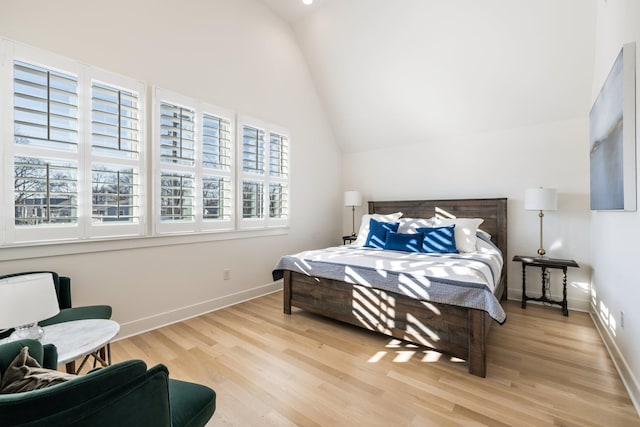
<point x="458" y="331"/>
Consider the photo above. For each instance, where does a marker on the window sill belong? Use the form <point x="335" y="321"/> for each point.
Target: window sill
<point x="48" y="249"/>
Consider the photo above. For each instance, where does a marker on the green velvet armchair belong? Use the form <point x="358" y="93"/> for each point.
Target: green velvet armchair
<point x="67" y="312"/>
<point x="122" y="395"/>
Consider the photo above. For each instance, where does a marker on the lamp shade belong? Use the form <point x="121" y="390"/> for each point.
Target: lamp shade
<point x="352" y="198"/>
<point x="27" y="299"/>
<point x="541" y="199"/>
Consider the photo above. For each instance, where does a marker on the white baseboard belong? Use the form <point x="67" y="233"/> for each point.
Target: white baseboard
<point x="139" y="326"/>
<point x="621" y="365"/>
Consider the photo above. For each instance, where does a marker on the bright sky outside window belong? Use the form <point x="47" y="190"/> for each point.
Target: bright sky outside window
<point x="45" y="192"/>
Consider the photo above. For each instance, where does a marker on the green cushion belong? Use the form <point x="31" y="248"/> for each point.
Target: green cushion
<point x="191" y="404"/>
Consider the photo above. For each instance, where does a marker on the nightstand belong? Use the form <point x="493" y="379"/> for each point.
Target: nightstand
<point x="545" y="263"/>
<point x="347" y="240"/>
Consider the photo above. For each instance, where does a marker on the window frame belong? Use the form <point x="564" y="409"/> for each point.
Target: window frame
<point x="83" y="229"/>
<point x="12" y="52"/>
<point x="115" y="229"/>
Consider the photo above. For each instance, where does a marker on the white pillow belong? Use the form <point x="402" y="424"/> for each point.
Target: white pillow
<point x="465" y="231"/>
<point x="409" y="225"/>
<point x="364" y="225"/>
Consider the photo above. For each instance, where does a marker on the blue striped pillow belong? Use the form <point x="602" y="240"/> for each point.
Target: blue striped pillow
<point x="406" y="242"/>
<point x="378" y="233"/>
<point x="439" y="240"/>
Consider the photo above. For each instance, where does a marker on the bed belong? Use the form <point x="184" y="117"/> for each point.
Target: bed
<point x="457" y="330"/>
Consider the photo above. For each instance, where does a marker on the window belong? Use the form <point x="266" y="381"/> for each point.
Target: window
<point x="45" y="117"/>
<point x="194" y="157"/>
<point x="265" y="175"/>
<point x="117" y="166"/>
<point x="279" y="176"/>
<point x="74" y="151"/>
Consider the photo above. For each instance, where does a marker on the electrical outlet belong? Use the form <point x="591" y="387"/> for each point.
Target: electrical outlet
<point x="622" y="319"/>
<point x="226" y="274"/>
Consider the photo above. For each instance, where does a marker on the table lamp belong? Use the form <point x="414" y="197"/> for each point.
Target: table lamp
<point x="353" y="199"/>
<point x="541" y="199"/>
<point x="24" y="301"/>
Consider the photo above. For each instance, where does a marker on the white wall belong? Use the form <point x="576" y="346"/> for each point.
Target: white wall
<point x="407" y="72"/>
<point x="614" y="235"/>
<point x="498" y="164"/>
<point x="184" y="47"/>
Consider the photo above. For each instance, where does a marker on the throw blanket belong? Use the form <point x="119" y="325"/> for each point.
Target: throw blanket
<point x="467" y="279"/>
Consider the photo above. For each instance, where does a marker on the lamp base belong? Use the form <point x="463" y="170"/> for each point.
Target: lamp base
<point x="27" y="332"/>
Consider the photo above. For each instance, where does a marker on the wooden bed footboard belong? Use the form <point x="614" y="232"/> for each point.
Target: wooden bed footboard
<point x="458" y="331"/>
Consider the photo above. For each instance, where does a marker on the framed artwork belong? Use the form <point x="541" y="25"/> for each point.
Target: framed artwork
<point x="612" y="137"/>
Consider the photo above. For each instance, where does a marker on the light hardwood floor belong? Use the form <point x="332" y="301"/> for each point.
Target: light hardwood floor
<point x="271" y="369"/>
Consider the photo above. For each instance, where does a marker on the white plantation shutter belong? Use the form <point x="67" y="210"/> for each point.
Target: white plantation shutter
<point x="117" y="204"/>
<point x="194" y="148"/>
<point x="177" y="134"/>
<point x="278" y="176"/>
<point x="216" y="198"/>
<point x="265" y="174"/>
<point x="177" y="196"/>
<point x="115" y="194"/>
<point x="217" y="194"/>
<point x="41" y="182"/>
<point x="45" y="107"/>
<point x="75" y="160"/>
<point x="253" y="150"/>
<point x="74" y="165"/>
<point x="216" y="143"/>
<point x="115" y="121"/>
<point x="46" y="191"/>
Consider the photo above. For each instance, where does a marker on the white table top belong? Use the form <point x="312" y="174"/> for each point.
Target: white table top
<point x="79" y="337"/>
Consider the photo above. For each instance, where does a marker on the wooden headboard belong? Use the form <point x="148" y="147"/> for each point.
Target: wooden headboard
<point x="493" y="211"/>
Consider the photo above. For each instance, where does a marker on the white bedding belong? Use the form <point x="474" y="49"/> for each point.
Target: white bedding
<point x="467" y="279"/>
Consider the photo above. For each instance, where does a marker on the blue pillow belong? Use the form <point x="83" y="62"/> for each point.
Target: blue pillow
<point x="439" y="240"/>
<point x="404" y="242"/>
<point x="378" y="233"/>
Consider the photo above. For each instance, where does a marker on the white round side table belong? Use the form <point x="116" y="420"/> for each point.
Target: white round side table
<point x="78" y="338"/>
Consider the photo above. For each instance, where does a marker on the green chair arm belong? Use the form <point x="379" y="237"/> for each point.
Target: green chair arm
<point x="50" y="357"/>
<point x="192" y="405"/>
<point x="79" y="313"/>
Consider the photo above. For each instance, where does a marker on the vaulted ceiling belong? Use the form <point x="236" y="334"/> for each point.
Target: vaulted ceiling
<point x="416" y="71"/>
